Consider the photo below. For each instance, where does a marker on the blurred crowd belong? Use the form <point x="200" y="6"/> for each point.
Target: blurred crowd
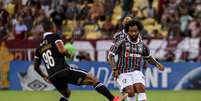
<point x="99" y="19"/>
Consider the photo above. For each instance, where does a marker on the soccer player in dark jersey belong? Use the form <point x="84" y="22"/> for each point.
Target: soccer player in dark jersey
<point x="131" y="54"/>
<point x="52" y="52"/>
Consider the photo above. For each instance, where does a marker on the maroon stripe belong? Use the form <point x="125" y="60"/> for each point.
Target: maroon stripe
<point x="133" y="57"/>
<point x="127" y="59"/>
<point x="139" y="60"/>
<point x="120" y="60"/>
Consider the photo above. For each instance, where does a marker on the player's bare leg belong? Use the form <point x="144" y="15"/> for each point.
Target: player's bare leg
<point x="130" y="91"/>
<point x="100" y="88"/>
<point x="141" y="91"/>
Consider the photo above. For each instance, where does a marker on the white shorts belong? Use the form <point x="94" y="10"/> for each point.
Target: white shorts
<point x="130" y="78"/>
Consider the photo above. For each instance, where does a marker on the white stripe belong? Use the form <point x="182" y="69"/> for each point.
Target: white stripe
<point x="100" y="84"/>
<point x="64" y="97"/>
<point x="112" y="43"/>
<point x="78" y="70"/>
<point x="111" y="53"/>
<point x="58" y="41"/>
<point x="147" y="56"/>
<point x="36" y="57"/>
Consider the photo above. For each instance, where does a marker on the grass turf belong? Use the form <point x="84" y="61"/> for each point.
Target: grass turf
<point x="83" y="95"/>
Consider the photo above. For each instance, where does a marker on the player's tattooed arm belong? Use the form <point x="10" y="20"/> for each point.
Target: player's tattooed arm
<point x="153" y="61"/>
<point x="111" y="61"/>
<point x="150" y="59"/>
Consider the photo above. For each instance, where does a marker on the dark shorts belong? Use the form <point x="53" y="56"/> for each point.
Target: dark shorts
<point x="68" y="76"/>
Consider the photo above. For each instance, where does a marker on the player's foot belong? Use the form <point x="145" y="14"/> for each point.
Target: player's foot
<point x="120" y="98"/>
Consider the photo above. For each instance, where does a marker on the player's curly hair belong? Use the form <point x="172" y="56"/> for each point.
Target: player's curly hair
<point x="134" y="22"/>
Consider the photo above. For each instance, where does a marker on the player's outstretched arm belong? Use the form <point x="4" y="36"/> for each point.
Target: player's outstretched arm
<point x="111" y="61"/>
<point x="37" y="63"/>
<point x="153" y="61"/>
<point x="62" y="50"/>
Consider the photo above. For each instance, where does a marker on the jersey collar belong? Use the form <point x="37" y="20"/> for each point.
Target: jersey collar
<point x="46" y="33"/>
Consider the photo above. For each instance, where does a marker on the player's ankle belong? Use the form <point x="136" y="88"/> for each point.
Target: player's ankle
<point x="63" y="99"/>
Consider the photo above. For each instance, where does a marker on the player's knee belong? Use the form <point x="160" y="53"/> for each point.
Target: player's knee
<point x="130" y="91"/>
<point x="90" y="80"/>
<point x="139" y="88"/>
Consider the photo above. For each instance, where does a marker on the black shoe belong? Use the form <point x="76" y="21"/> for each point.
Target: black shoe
<point x="63" y="99"/>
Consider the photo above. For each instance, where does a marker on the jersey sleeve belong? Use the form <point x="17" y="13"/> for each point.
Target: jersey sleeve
<point x="115" y="46"/>
<point x="146" y="51"/>
<point x="37" y="54"/>
<point x="57" y="38"/>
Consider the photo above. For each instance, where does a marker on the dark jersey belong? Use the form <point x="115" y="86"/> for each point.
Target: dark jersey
<point x="130" y="55"/>
<point x="48" y="52"/>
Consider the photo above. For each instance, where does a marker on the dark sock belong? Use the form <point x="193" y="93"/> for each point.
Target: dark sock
<point x="63" y="99"/>
<point x="103" y="90"/>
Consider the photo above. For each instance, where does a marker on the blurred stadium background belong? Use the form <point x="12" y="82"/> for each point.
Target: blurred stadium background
<point x="172" y="30"/>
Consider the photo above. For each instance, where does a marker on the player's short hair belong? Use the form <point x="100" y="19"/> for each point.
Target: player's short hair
<point x="47" y="25"/>
<point x="133" y="22"/>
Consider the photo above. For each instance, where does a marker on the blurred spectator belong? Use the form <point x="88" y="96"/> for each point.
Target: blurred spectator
<point x="96" y="12"/>
<point x="194" y="28"/>
<point x="151" y="11"/>
<point x="20" y="29"/>
<point x="78" y="32"/>
<point x="45" y="4"/>
<point x="3" y="31"/>
<point x="83" y="56"/>
<point x="156" y="34"/>
<point x="71" y="11"/>
<point x="3" y="14"/>
<point x="198" y="9"/>
<point x="84" y="10"/>
<point x="127" y="6"/>
<point x="58" y="17"/>
<point x="10" y="7"/>
<point x="184" y="20"/>
<point x="107" y="28"/>
<point x="170" y="56"/>
<point x="161" y="7"/>
<point x="108" y="7"/>
<point x="170" y="22"/>
<point x="37" y="29"/>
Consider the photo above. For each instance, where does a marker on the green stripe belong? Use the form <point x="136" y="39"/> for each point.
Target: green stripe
<point x="130" y="58"/>
<point x="123" y="59"/>
<point x="137" y="53"/>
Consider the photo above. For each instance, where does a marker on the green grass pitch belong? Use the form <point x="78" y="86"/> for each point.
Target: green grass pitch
<point x="83" y="95"/>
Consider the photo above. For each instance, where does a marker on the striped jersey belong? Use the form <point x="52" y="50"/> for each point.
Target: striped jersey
<point x="130" y="55"/>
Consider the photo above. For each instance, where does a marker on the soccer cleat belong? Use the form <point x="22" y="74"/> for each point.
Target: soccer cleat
<point x="116" y="98"/>
<point x="120" y="98"/>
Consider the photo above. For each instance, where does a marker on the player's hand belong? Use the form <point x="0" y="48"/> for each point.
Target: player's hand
<point x="46" y="79"/>
<point x="160" y="67"/>
<point x="115" y="73"/>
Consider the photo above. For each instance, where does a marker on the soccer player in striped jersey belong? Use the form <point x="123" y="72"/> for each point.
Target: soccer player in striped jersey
<point x="131" y="54"/>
